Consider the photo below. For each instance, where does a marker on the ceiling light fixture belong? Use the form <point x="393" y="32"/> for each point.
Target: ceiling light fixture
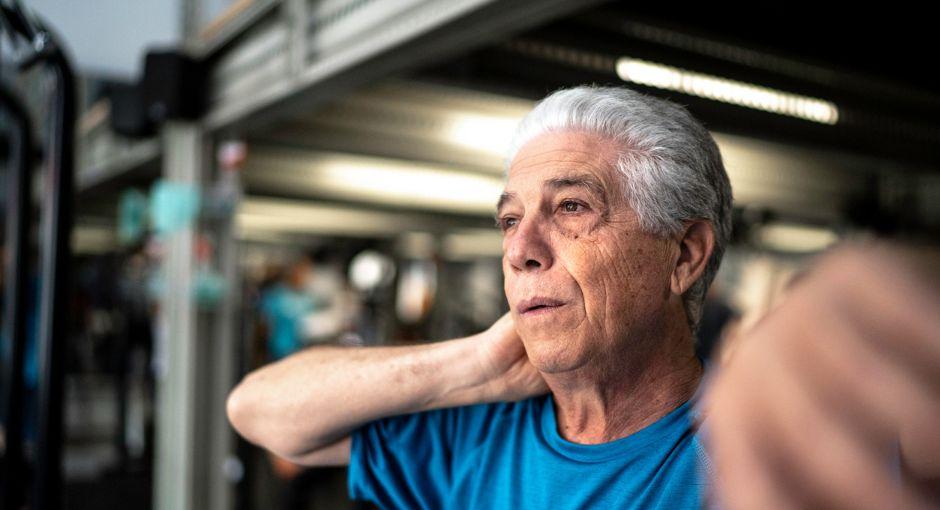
<point x="727" y="91"/>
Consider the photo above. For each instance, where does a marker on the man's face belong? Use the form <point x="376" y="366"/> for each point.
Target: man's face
<point x="583" y="281"/>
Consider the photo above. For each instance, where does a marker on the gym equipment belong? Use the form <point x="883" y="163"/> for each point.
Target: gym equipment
<point x="22" y="29"/>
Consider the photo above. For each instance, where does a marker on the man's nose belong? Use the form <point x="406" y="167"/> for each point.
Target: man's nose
<point x="528" y="248"/>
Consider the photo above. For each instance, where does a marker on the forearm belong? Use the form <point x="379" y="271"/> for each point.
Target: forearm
<point x="314" y="398"/>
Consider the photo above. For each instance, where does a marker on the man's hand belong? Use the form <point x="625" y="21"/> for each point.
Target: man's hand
<point x="833" y="399"/>
<point x="505" y="366"/>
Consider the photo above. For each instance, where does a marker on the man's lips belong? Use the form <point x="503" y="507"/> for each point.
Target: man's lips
<point x="538" y="304"/>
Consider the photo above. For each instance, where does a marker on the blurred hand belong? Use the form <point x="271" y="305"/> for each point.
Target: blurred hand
<point x="833" y="399"/>
<point x="508" y="373"/>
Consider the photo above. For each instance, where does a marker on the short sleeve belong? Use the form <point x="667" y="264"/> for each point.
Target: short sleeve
<point x="404" y="461"/>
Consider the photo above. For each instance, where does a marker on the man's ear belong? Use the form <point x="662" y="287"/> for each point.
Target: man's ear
<point x="695" y="248"/>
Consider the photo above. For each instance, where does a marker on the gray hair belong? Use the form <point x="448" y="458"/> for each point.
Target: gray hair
<point x="671" y="164"/>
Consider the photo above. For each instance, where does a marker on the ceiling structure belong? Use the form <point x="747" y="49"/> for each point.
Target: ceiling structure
<point x="819" y="122"/>
<point x="873" y="70"/>
<point x="405" y="145"/>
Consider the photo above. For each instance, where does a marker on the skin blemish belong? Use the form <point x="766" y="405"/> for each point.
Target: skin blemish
<point x="567" y="231"/>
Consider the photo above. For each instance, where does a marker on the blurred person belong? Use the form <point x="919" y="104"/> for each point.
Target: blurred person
<point x="289" y="308"/>
<point x="283" y="307"/>
<point x="615" y="215"/>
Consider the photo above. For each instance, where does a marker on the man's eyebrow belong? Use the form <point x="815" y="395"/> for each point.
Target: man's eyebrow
<point x="503" y="198"/>
<point x="588" y="182"/>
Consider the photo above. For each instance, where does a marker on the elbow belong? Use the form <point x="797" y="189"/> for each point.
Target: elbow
<point x="246" y="413"/>
<point x="236" y="410"/>
<point x="255" y="422"/>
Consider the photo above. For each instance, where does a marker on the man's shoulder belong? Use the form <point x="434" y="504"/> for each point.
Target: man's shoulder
<point x="490" y="415"/>
<point x="515" y="407"/>
<point x="470" y="423"/>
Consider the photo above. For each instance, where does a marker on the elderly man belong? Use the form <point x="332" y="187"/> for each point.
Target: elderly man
<point x="615" y="215"/>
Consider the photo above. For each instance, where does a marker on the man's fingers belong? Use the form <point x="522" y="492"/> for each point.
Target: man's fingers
<point x="743" y="480"/>
<point x="893" y="298"/>
<point x="782" y="448"/>
<point x="808" y="412"/>
<point x="892" y="308"/>
<point x="846" y="373"/>
<point x="823" y="458"/>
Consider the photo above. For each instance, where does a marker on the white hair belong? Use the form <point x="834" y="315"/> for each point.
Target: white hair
<point x="671" y="164"/>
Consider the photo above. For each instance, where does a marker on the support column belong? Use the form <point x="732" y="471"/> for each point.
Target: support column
<point x="175" y="477"/>
<point x="225" y="324"/>
<point x="193" y="438"/>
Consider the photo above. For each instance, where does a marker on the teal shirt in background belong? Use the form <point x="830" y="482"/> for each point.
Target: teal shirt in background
<point x="510" y="456"/>
<point x="284" y="309"/>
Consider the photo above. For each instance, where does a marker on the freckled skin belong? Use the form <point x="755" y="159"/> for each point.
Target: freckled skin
<point x="614" y="278"/>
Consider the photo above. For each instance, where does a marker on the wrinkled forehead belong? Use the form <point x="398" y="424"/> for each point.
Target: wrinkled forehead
<point x="564" y="155"/>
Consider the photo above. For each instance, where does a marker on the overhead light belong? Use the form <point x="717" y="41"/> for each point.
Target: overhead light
<point x="727" y="91"/>
<point x="412" y="184"/>
<point x="276" y="218"/>
<point x="795" y="238"/>
<point x="385" y="181"/>
<point x="483" y="133"/>
<point x="267" y="215"/>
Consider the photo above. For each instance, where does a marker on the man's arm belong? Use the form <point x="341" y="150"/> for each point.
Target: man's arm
<point x="304" y="407"/>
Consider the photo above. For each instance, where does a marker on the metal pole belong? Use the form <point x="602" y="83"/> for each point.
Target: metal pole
<point x="177" y="482"/>
<point x="15" y="308"/>
<point x="56" y="235"/>
<point x="224" y="343"/>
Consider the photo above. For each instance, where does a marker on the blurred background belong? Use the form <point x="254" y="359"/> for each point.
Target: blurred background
<point x="256" y="176"/>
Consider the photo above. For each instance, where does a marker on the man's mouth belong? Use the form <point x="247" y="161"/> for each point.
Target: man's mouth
<point x="539" y="305"/>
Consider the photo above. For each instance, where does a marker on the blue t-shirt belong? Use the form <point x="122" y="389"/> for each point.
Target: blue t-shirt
<point x="510" y="456"/>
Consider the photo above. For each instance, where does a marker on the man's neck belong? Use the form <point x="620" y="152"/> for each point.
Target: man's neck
<point x="622" y="394"/>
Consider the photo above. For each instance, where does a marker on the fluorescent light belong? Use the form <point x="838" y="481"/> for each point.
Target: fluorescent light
<point x="412" y="184"/>
<point x="483" y="133"/>
<point x="727" y="91"/>
<point x="269" y="218"/>
<point x="400" y="183"/>
<point x="256" y="215"/>
<point x="796" y="238"/>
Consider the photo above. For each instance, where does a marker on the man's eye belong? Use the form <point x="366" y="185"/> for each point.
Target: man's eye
<point x="571" y="206"/>
<point x="506" y="222"/>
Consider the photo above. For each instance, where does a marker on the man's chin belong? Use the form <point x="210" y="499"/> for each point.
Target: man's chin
<point x="553" y="355"/>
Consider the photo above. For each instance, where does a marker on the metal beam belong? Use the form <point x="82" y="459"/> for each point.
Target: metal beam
<point x="436" y="30"/>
